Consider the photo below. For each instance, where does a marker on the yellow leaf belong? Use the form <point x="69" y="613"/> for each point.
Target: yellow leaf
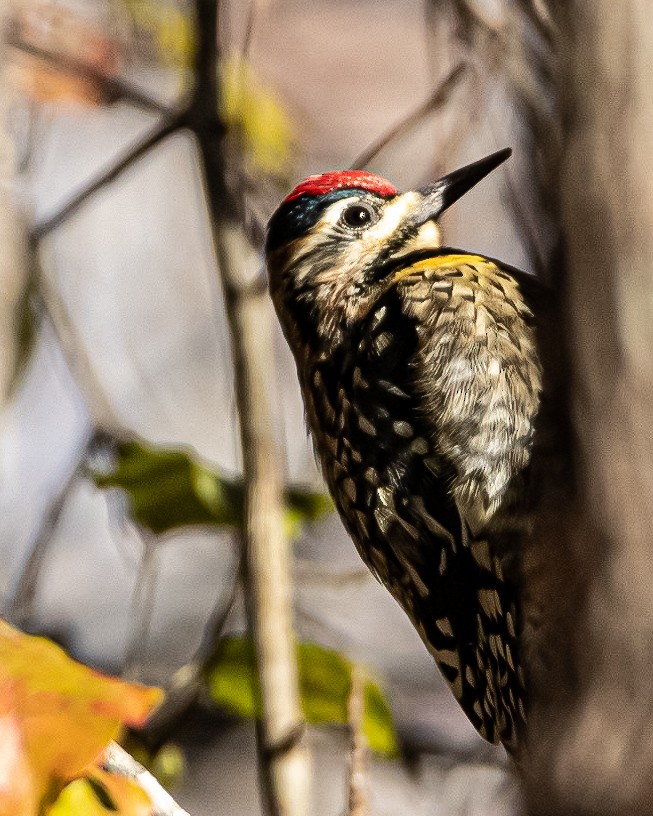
<point x="174" y="36"/>
<point x="61" y="713"/>
<point x="168" y="27"/>
<point x="251" y="108"/>
<point x="101" y="793"/>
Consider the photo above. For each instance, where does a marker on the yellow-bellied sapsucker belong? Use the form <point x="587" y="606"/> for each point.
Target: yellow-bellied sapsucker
<point x="421" y="381"/>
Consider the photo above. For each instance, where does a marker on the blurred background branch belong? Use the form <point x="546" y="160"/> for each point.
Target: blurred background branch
<point x="359" y="756"/>
<point x="14" y="263"/>
<point x="110" y="88"/>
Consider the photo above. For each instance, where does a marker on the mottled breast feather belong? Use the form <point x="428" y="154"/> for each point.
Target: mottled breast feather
<point x="423" y="419"/>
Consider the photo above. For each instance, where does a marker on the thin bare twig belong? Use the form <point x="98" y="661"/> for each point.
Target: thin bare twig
<point x="118" y="761"/>
<point x="188" y="681"/>
<point x="142" y="608"/>
<point x="162" y="130"/>
<point x="539" y="13"/>
<point x="53" y="308"/>
<point x="21" y="608"/>
<point x="315" y="574"/>
<point x="358" y="802"/>
<point x="112" y="88"/>
<point x="475" y="16"/>
<point x="437" y="99"/>
<point x="250" y="27"/>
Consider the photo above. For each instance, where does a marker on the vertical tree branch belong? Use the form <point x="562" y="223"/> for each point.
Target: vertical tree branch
<point x="284" y="763"/>
<point x="358" y="804"/>
<point x="283" y="757"/>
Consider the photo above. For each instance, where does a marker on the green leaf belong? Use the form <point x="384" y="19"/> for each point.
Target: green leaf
<point x="169" y="765"/>
<point x="169" y="489"/>
<point x="325" y="682"/>
<point x="100" y="793"/>
<point x="161" y="488"/>
<point x="377" y="722"/>
<point x="325" y="679"/>
<point x="232" y="679"/>
<point x="303" y="506"/>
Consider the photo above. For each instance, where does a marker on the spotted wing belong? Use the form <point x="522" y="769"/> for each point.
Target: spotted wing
<point x="479" y="380"/>
<point x="393" y="489"/>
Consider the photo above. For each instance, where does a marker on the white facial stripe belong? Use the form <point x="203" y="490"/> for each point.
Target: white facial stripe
<point x="393" y="215"/>
<point x="427" y="237"/>
<point x="365" y="246"/>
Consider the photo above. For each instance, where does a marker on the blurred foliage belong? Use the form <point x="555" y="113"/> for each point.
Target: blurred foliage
<point x="169" y="489"/>
<point x="169" y="765"/>
<point x="165" y="29"/>
<point x="23" y="310"/>
<point x="253" y="113"/>
<point x="325" y="684"/>
<point x="67" y="32"/>
<point x="25" y="327"/>
<point x="167" y="762"/>
<point x="56" y="717"/>
<point x="99" y="793"/>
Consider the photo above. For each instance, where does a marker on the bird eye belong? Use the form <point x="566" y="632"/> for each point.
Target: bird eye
<point x="358" y="216"/>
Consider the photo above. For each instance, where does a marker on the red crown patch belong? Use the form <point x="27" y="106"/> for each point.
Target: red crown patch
<point x="343" y="180"/>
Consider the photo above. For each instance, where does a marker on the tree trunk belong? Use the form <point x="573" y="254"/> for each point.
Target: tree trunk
<point x="591" y="732"/>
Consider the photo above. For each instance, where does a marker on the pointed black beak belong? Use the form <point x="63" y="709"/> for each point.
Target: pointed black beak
<point x="440" y="195"/>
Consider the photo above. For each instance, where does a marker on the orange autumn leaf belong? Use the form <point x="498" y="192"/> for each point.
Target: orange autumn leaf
<point x="61" y="713"/>
<point x="73" y="39"/>
<point x="17" y="794"/>
<point x="43" y="83"/>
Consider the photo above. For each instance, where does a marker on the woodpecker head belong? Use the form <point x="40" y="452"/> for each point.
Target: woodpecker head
<point x="336" y="242"/>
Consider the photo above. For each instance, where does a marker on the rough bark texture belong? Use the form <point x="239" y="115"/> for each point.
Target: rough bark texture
<point x="591" y="738"/>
